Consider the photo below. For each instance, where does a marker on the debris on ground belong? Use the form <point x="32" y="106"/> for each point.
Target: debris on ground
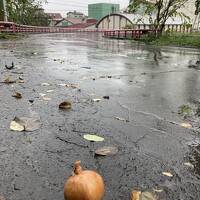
<point x="46" y="98"/>
<point x="8" y="81"/>
<point x="17" y="95"/>
<point x="106" y="151"/>
<point x="106" y="97"/>
<point x="188" y="164"/>
<point x="9" y="67"/>
<point x="186" y="111"/>
<point x="121" y="119"/>
<point x="93" y="138"/>
<point x="25" y="124"/>
<point x="45" y="84"/>
<point x="167" y="174"/>
<point x="194" y="65"/>
<point x="65" y="105"/>
<point x="96" y="100"/>
<point x="138" y="195"/>
<point x="73" y="86"/>
<point x="157" y="190"/>
<point x="42" y="94"/>
<point x="186" y="125"/>
<point x="50" y="91"/>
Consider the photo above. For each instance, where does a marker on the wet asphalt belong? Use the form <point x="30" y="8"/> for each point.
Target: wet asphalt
<point x="146" y="86"/>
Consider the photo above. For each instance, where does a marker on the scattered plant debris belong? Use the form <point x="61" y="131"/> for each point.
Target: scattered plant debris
<point x="96" y="100"/>
<point x="188" y="164"/>
<point x="93" y="138"/>
<point x="167" y="174"/>
<point x="17" y="95"/>
<point x="65" y="105"/>
<point x="106" y="151"/>
<point x="121" y="119"/>
<point x="25" y="124"/>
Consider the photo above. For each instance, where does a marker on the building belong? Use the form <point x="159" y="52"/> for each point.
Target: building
<point x="99" y="10"/>
<point x="119" y="21"/>
<point x="75" y="14"/>
<point x="70" y="21"/>
<point x="54" y="18"/>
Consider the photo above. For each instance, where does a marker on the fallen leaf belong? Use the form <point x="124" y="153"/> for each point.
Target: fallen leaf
<point x="158" y="190"/>
<point x="105" y="151"/>
<point x="45" y="84"/>
<point x="135" y="195"/>
<point x="65" y="105"/>
<point x="188" y="164"/>
<point x="25" y="124"/>
<point x="147" y="196"/>
<point x="50" y="91"/>
<point x="167" y="174"/>
<point x="186" y="125"/>
<point x="8" y="81"/>
<point x="73" y="86"/>
<point x="15" y="125"/>
<point x="20" y="81"/>
<point x="96" y="100"/>
<point x="93" y="138"/>
<point x="46" y="98"/>
<point x="17" y="95"/>
<point x="62" y="84"/>
<point x="121" y="119"/>
<point x="42" y="95"/>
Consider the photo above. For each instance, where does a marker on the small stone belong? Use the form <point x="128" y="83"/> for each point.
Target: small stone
<point x="106" y="97"/>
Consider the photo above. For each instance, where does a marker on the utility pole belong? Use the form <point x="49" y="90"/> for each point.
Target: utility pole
<point x="5" y="11"/>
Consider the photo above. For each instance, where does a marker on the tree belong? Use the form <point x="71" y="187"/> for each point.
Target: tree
<point x="159" y="11"/>
<point x="197" y="5"/>
<point x="1" y="10"/>
<point x="27" y="12"/>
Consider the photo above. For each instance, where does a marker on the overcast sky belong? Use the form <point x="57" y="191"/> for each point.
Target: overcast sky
<point x="63" y="6"/>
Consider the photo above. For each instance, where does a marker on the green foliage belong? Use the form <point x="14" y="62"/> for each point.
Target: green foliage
<point x="175" y="39"/>
<point x="27" y="12"/>
<point x="197" y="5"/>
<point x="159" y="12"/>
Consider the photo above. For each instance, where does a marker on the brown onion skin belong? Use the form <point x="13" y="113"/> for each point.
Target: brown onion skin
<point x="84" y="185"/>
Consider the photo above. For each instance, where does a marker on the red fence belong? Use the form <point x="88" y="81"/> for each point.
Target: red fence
<point x="10" y="27"/>
<point x="125" y="34"/>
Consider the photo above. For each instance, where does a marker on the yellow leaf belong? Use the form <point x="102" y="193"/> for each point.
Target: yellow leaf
<point x="93" y="138"/>
<point x="14" y="126"/>
<point x="136" y="195"/>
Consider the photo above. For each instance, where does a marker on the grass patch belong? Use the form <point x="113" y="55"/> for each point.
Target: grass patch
<point x="174" y="39"/>
<point x="10" y="36"/>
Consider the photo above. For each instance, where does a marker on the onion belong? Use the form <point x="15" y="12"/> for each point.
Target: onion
<point x="84" y="185"/>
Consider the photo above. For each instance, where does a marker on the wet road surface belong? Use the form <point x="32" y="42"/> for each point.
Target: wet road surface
<point x="146" y="86"/>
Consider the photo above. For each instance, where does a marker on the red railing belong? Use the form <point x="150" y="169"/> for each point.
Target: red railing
<point x="10" y="27"/>
<point x="128" y="33"/>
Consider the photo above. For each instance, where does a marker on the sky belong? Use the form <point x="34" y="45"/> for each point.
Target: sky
<point x="64" y="6"/>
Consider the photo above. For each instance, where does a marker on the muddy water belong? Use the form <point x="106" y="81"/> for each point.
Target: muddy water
<point x="146" y="86"/>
